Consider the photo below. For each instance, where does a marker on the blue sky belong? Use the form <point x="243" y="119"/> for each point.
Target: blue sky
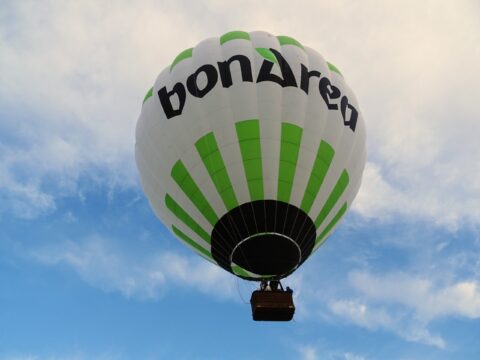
<point x="88" y="272"/>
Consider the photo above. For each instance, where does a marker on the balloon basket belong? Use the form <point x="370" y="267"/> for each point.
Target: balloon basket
<point x="272" y="304"/>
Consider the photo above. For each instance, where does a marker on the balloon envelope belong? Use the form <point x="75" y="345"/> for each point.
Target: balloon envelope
<point x="250" y="148"/>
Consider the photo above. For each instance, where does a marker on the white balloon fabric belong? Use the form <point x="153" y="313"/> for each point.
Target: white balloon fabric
<point x="251" y="148"/>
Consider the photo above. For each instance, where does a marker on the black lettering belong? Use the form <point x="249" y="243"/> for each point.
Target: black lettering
<point x="265" y="73"/>
<point x="305" y="77"/>
<point x="212" y="77"/>
<point x="328" y="92"/>
<point x="226" y="74"/>
<point x="165" y="99"/>
<point x="352" y="121"/>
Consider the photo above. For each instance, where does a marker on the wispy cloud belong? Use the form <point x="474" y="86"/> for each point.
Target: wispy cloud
<point x="73" y="77"/>
<point x="307" y="352"/>
<point x="351" y="356"/>
<point x="405" y="304"/>
<point x="373" y="317"/>
<point x="428" y="300"/>
<point x="24" y="200"/>
<point x="361" y="314"/>
<point x="310" y="352"/>
<point x="98" y="262"/>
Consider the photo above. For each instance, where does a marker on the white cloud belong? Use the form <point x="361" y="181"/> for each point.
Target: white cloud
<point x="26" y="201"/>
<point x="373" y="318"/>
<point x="406" y="304"/>
<point x="351" y="356"/>
<point x="422" y="125"/>
<point x="307" y="352"/>
<point x="98" y="262"/>
<point x="428" y="300"/>
<point x="73" y="77"/>
<point x="377" y="198"/>
<point x="419" y="333"/>
<point x="361" y="314"/>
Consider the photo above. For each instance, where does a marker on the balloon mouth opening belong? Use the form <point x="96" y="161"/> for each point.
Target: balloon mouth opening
<point x="263" y="239"/>
<point x="267" y="253"/>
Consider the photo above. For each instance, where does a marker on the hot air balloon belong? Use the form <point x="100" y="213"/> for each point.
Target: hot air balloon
<point x="250" y="149"/>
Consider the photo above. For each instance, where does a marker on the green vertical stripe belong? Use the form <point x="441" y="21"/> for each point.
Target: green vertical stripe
<point x="185" y="218"/>
<point x="212" y="159"/>
<point x="267" y="54"/>
<point x="185" y="54"/>
<point x="240" y="271"/>
<point x="287" y="40"/>
<point x="321" y="164"/>
<point x="187" y="184"/>
<point x="337" y="191"/>
<point x="289" y="149"/>
<point x="248" y="132"/>
<point x="148" y="94"/>
<point x="232" y="35"/>
<point x="189" y="241"/>
<point x="332" y="224"/>
<point x="333" y="68"/>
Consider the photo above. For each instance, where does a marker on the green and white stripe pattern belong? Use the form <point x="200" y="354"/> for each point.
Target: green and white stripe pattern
<point x="250" y="141"/>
